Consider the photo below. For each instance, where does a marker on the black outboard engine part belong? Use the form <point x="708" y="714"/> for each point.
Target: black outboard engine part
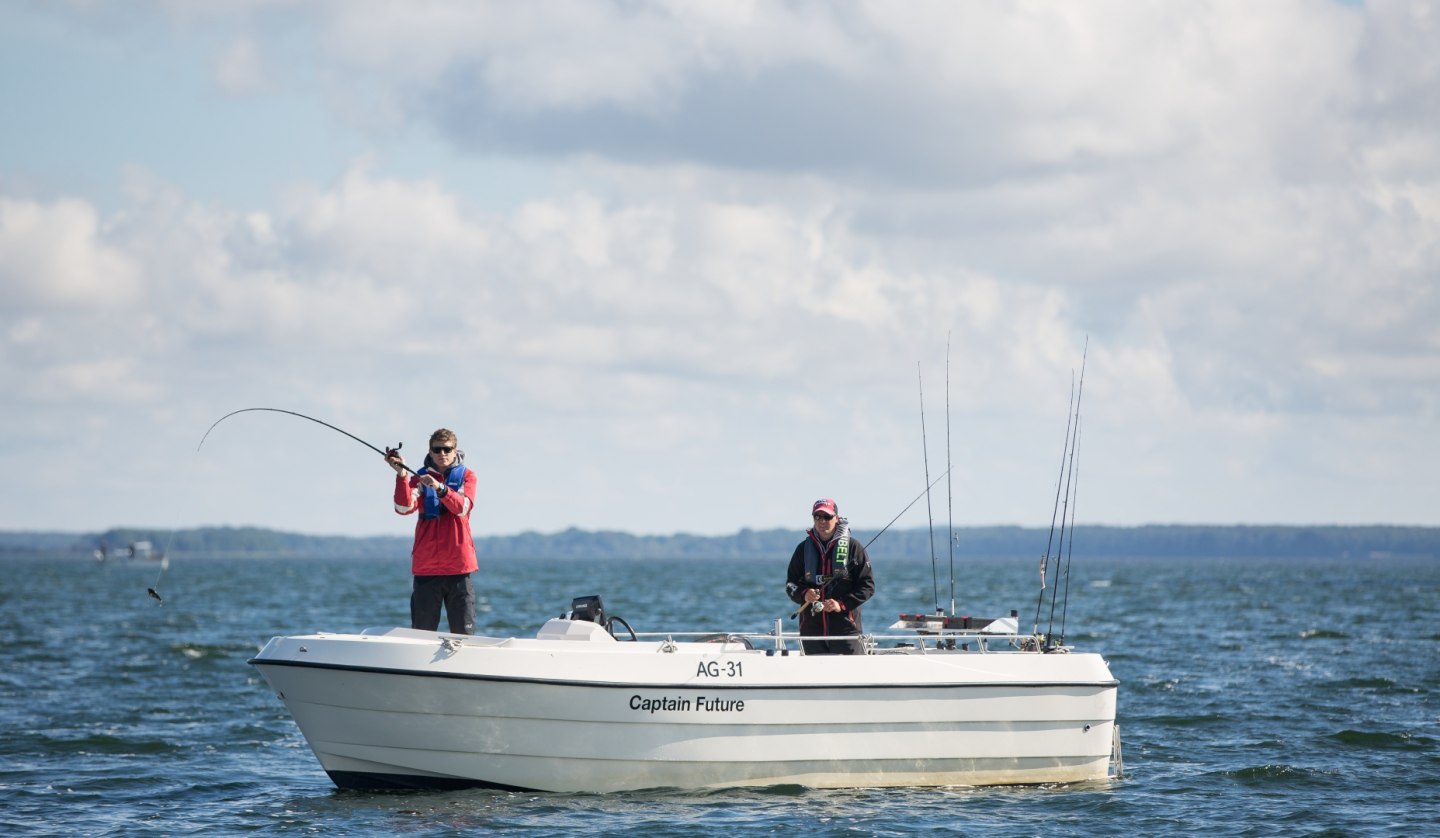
<point x="588" y="608"/>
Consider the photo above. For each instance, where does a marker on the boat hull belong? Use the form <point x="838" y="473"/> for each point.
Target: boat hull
<point x="419" y="710"/>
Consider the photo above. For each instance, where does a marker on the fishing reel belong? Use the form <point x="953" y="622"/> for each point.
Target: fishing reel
<point x="818" y="581"/>
<point x="811" y="580"/>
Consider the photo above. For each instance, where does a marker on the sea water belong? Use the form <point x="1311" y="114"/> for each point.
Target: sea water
<point x="1257" y="697"/>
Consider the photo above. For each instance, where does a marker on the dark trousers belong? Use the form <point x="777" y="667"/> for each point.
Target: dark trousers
<point x="842" y="634"/>
<point x="834" y="646"/>
<point x="454" y="592"/>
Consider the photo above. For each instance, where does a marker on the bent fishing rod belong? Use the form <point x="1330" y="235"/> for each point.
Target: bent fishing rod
<point x="382" y="452"/>
<point x="152" y="591"/>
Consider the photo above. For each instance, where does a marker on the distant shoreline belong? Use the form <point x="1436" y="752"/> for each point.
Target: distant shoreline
<point x="1154" y="541"/>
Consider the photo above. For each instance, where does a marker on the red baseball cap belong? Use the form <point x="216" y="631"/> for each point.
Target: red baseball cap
<point x="824" y="505"/>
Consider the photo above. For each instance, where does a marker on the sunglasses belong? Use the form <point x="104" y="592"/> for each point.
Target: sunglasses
<point x="821" y="516"/>
<point x="441" y="449"/>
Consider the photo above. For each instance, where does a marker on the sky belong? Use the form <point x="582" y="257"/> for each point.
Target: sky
<point x="673" y="266"/>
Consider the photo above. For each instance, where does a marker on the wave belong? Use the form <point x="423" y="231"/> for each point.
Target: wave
<point x="1382" y="740"/>
<point x="1323" y="634"/>
<point x="104" y="743"/>
<point x="1279" y="774"/>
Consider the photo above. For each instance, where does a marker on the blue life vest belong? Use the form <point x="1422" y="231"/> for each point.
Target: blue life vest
<point x="430" y="502"/>
<point x="814" y="561"/>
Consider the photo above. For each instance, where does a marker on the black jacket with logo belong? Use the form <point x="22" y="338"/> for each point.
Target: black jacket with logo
<point x="851" y="589"/>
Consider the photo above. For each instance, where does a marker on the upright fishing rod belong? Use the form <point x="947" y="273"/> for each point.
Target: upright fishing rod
<point x="1069" y="472"/>
<point x="1074" y="441"/>
<point x="949" y="494"/>
<point x="1070" y="552"/>
<point x="381" y="452"/>
<point x="1069" y="478"/>
<point x="925" y="451"/>
<point x="1059" y="480"/>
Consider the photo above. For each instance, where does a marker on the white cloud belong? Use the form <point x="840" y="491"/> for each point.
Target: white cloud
<point x="386" y="225"/>
<point x="56" y="255"/>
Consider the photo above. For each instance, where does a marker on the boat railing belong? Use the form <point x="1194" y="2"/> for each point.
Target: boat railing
<point x="916" y="642"/>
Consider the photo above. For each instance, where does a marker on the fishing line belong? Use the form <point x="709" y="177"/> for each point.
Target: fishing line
<point x="164" y="553"/>
<point x="925" y="451"/>
<point x="381" y="452"/>
<point x="154" y="590"/>
<point x="164" y="566"/>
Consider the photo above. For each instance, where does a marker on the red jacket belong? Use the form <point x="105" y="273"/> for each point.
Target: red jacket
<point x="443" y="546"/>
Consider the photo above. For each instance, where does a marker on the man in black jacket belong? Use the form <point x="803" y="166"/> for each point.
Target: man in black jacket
<point x="829" y="578"/>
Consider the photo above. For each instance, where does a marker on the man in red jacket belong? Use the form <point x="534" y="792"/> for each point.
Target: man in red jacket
<point x="443" y="492"/>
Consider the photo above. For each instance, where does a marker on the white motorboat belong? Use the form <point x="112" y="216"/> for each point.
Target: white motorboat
<point x="950" y="701"/>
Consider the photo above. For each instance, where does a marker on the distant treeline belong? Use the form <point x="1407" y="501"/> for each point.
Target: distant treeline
<point x="1194" y="541"/>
